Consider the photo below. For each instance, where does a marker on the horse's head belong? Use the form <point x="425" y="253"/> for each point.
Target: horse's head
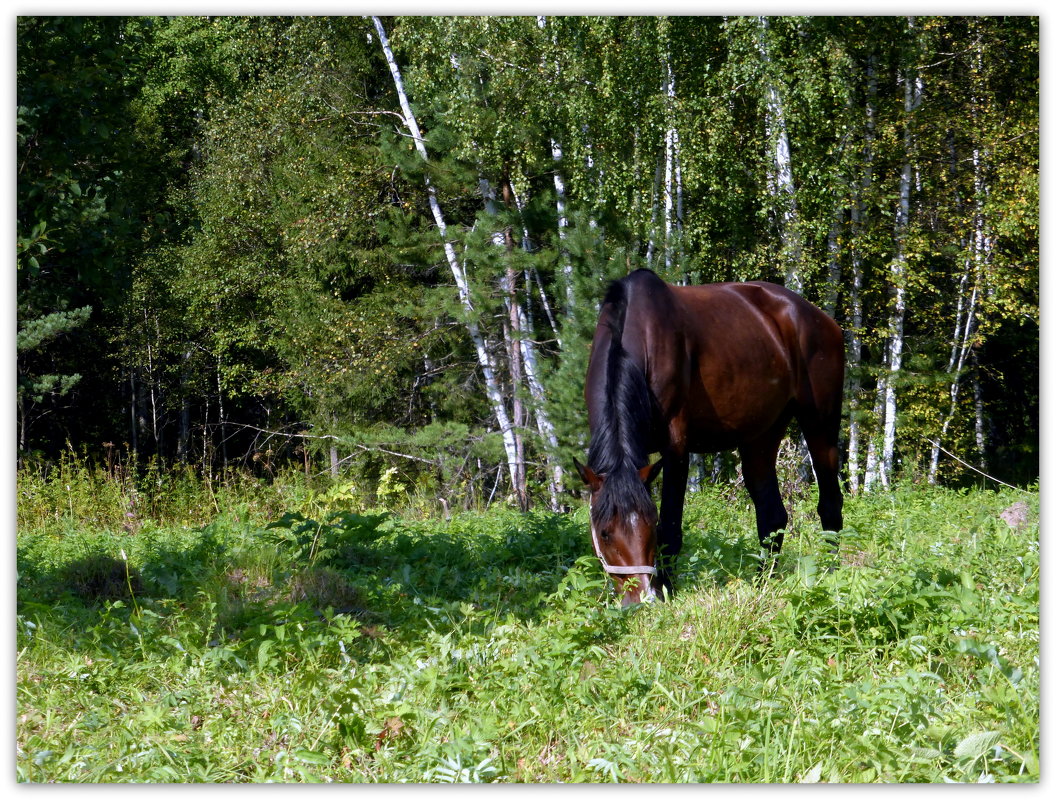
<point x="623" y="527"/>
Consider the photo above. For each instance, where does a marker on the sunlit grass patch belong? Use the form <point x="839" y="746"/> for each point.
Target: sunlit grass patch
<point x="362" y="646"/>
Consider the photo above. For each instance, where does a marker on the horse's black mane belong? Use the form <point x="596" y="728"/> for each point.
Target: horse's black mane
<point x="619" y="443"/>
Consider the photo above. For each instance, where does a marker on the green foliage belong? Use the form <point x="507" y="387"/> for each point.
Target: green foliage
<point x="239" y="203"/>
<point x="32" y="335"/>
<point x="261" y="643"/>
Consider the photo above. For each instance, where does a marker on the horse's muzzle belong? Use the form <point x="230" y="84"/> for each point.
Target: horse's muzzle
<point x="642" y="592"/>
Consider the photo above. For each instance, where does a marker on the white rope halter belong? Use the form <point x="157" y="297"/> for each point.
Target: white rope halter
<point x="619" y="570"/>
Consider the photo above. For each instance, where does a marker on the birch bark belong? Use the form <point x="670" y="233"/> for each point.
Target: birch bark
<point x="560" y="200"/>
<point x="857" y="229"/>
<point x="672" y="172"/>
<point x="782" y="186"/>
<point x="533" y="376"/>
<point x="912" y="92"/>
<point x="480" y="343"/>
<point x="964" y="319"/>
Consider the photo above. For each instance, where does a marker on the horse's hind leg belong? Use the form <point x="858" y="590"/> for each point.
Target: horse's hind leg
<point x="822" y="442"/>
<point x="759" y="468"/>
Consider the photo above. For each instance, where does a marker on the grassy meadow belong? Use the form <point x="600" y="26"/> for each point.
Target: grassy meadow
<point x="173" y="630"/>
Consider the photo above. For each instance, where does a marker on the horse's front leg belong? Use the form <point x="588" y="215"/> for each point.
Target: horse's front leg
<point x="669" y="527"/>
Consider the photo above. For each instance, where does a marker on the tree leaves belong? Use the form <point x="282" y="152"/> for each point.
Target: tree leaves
<point x="237" y="201"/>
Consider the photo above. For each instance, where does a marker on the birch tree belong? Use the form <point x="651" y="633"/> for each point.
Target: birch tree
<point x="480" y="343"/>
<point x="560" y="193"/>
<point x="673" y="201"/>
<point x="887" y="391"/>
<point x="862" y="184"/>
<point x="971" y="279"/>
<point x="782" y="186"/>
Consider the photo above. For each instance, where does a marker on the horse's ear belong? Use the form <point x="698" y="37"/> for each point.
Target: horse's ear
<point x="590" y="478"/>
<point x="649" y="473"/>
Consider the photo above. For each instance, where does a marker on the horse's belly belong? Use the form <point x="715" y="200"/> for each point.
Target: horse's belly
<point x="708" y="436"/>
<point x="722" y="419"/>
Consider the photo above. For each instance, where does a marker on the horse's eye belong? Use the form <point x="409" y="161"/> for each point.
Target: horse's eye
<point x="605" y="534"/>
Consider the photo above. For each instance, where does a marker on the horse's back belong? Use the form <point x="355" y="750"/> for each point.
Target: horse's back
<point x="727" y="340"/>
<point x="728" y="312"/>
<point x="734" y="355"/>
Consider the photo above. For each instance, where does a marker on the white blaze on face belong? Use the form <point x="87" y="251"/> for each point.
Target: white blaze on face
<point x="594" y="532"/>
<point x="644" y="581"/>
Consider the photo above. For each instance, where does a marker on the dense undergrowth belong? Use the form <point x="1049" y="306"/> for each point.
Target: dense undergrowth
<point x="250" y="632"/>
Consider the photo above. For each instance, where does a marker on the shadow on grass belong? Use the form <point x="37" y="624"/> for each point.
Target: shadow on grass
<point x="416" y="575"/>
<point x="401" y="577"/>
<point x="399" y="580"/>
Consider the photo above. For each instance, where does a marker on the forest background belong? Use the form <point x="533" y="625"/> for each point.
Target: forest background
<point x="373" y="247"/>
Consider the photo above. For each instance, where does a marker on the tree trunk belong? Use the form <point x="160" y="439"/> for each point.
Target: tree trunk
<point x="480" y="343"/>
<point x="514" y="338"/>
<point x="533" y="376"/>
<point x="672" y="172"/>
<point x="980" y="420"/>
<point x="873" y="467"/>
<point x="782" y="187"/>
<point x="650" y="250"/>
<point x="132" y="410"/>
<point x="962" y="331"/>
<point x="832" y="287"/>
<point x="560" y="200"/>
<point x="152" y="383"/>
<point x="912" y="97"/>
<point x="858" y="224"/>
<point x="184" y="439"/>
<point x="335" y="462"/>
<point x="562" y="227"/>
<point x="222" y="418"/>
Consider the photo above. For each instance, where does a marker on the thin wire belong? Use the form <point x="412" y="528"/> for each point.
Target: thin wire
<point x="972" y="467"/>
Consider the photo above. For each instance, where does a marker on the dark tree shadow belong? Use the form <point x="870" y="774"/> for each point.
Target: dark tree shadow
<point x="404" y="578"/>
<point x="398" y="579"/>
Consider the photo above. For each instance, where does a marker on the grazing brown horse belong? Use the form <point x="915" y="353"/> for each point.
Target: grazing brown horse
<point x="698" y="369"/>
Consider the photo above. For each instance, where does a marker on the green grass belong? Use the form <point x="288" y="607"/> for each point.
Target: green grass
<point x="311" y="643"/>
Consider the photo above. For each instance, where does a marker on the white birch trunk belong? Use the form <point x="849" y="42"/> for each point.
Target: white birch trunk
<point x="650" y="250"/>
<point x="669" y="174"/>
<point x="183" y="447"/>
<point x="523" y="357"/>
<point x="854" y="383"/>
<point x="857" y="228"/>
<point x="832" y="290"/>
<point x="872" y="464"/>
<point x="782" y="187"/>
<point x="913" y="88"/>
<point x="480" y="343"/>
<point x="535" y="384"/>
<point x="335" y="462"/>
<point x="983" y="247"/>
<point x="560" y="199"/>
<point x="512" y="336"/>
<point x="962" y="331"/>
<point x="545" y="302"/>
<point x="980" y="422"/>
<point x="668" y="196"/>
<point x="672" y="173"/>
<point x="562" y="226"/>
